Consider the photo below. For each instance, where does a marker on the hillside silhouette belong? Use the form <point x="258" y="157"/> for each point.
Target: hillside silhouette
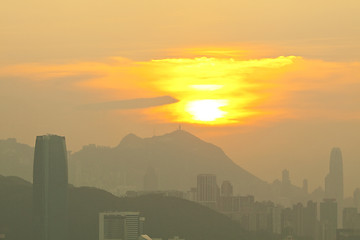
<point x="177" y="158"/>
<point x="165" y="216"/>
<point x="16" y="159"/>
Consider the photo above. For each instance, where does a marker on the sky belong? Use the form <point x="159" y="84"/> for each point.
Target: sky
<point x="275" y="84"/>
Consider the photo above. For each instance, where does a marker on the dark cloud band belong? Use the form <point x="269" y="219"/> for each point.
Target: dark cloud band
<point x="136" y="103"/>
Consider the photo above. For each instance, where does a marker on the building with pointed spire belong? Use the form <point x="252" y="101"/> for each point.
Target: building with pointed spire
<point x="334" y="181"/>
<point x="334" y="185"/>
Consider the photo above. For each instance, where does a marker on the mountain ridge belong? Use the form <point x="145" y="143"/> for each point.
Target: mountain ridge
<point x="165" y="217"/>
<point x="178" y="157"/>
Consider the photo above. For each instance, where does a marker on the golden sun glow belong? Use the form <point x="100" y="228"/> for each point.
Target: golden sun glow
<point x="207" y="87"/>
<point x="206" y="110"/>
<point x="213" y="90"/>
<point x="218" y="89"/>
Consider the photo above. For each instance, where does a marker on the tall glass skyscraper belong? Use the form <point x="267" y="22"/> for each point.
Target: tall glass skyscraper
<point x="334" y="185"/>
<point x="334" y="181"/>
<point x="50" y="184"/>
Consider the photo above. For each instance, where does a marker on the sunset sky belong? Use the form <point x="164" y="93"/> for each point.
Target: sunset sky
<point x="275" y="84"/>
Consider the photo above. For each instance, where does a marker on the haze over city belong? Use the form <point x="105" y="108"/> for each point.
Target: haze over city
<point x="274" y="84"/>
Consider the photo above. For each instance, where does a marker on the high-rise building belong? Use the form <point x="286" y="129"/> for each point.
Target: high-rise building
<point x="150" y="180"/>
<point x="348" y="234"/>
<point x="207" y="190"/>
<point x="191" y="195"/>
<point x="120" y="225"/>
<point x="328" y="219"/>
<point x="350" y="218"/>
<point x="226" y="201"/>
<point x="298" y="219"/>
<point x="285" y="177"/>
<point x="357" y="198"/>
<point x="285" y="184"/>
<point x="276" y="219"/>
<point x="305" y="186"/>
<point x="50" y="184"/>
<point x="226" y="189"/>
<point x="334" y="185"/>
<point x="310" y="221"/>
<point x="287" y="222"/>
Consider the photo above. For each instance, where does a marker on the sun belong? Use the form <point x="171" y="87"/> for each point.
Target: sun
<point x="207" y="110"/>
<point x="214" y="90"/>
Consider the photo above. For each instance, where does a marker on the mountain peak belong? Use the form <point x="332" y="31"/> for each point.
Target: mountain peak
<point x="130" y="139"/>
<point x="131" y="136"/>
<point x="180" y="135"/>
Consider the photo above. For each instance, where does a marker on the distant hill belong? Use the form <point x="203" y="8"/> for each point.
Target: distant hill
<point x="165" y="216"/>
<point x="16" y="159"/>
<point x="177" y="158"/>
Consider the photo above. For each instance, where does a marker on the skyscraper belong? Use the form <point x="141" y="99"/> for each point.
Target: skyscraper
<point x="226" y="200"/>
<point x="305" y="186"/>
<point x="357" y="198"/>
<point x="150" y="180"/>
<point x="285" y="184"/>
<point x="120" y="225"/>
<point x="207" y="190"/>
<point x="298" y="219"/>
<point x="310" y="220"/>
<point x="226" y="189"/>
<point x="328" y="219"/>
<point x="50" y="183"/>
<point x="286" y="177"/>
<point x="334" y="185"/>
<point x="350" y="218"/>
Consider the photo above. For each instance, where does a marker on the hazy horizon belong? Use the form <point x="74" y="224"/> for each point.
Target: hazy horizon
<point x="322" y="170"/>
<point x="282" y="77"/>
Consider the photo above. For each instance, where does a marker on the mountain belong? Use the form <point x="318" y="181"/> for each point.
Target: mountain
<point x="16" y="159"/>
<point x="165" y="216"/>
<point x="177" y="159"/>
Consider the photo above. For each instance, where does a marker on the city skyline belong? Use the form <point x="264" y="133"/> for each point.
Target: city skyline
<point x="280" y="78"/>
<point x="315" y="185"/>
<point x="219" y="120"/>
<point x="294" y="220"/>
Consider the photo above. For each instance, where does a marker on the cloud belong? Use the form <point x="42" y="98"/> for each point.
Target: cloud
<point x="232" y="88"/>
<point x="137" y="103"/>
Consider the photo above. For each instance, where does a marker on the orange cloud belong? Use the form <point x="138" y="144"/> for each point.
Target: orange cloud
<point x="212" y="90"/>
<point x="222" y="87"/>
